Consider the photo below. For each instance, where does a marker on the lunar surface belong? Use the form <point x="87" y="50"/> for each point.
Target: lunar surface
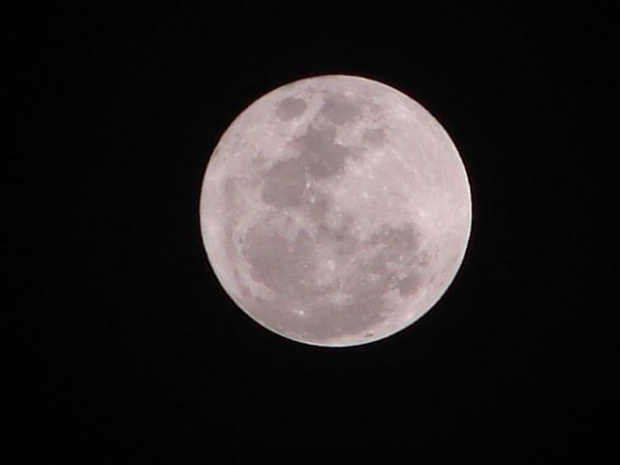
<point x="335" y="211"/>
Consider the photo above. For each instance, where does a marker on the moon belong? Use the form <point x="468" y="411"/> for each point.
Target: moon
<point x="335" y="211"/>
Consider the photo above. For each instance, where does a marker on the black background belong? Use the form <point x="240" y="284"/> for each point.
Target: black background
<point x="128" y="347"/>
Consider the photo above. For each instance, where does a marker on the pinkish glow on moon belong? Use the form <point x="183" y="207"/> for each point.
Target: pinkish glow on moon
<point x="335" y="211"/>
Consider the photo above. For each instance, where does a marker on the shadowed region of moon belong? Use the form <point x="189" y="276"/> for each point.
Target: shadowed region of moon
<point x="338" y="211"/>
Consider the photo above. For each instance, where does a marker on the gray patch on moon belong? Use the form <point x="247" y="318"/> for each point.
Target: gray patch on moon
<point x="343" y="241"/>
<point x="291" y="270"/>
<point x="318" y="157"/>
<point x="408" y="285"/>
<point x="390" y="247"/>
<point x="284" y="183"/>
<point x="291" y="108"/>
<point x="316" y="203"/>
<point x="282" y="265"/>
<point x="374" y="137"/>
<point x="321" y="156"/>
<point x="339" y="109"/>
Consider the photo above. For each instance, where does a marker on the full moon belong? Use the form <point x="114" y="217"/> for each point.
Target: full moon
<point x="335" y="211"/>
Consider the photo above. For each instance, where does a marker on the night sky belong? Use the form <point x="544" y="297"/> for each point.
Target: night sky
<point x="127" y="346"/>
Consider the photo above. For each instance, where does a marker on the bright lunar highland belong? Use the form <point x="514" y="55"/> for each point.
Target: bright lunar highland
<point x="335" y="211"/>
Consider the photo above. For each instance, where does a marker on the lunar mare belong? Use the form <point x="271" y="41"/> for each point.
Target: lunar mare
<point x="335" y="211"/>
